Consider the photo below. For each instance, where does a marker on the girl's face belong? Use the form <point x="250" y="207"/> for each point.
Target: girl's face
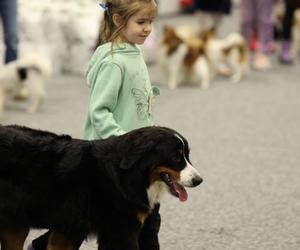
<point x="138" y="27"/>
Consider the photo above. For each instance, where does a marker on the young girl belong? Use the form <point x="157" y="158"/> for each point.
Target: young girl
<point x="120" y="89"/>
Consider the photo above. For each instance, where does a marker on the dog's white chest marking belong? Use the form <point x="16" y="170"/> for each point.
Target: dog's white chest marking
<point x="154" y="193"/>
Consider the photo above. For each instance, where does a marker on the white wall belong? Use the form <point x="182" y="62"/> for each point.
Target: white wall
<point x="168" y="6"/>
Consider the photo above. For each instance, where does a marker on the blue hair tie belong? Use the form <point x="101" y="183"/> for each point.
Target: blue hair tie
<point x="104" y="7"/>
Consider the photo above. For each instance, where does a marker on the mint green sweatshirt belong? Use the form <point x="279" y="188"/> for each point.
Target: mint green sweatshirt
<point x="121" y="95"/>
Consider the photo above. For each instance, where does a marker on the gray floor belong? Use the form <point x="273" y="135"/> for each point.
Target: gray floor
<point x="245" y="140"/>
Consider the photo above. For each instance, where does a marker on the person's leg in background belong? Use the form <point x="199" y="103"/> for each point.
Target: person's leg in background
<point x="208" y="20"/>
<point x="216" y="21"/>
<point x="247" y="13"/>
<point x="8" y="12"/>
<point x="264" y="12"/>
<point x="205" y="20"/>
<point x="285" y="53"/>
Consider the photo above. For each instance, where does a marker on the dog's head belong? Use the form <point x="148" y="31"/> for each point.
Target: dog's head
<point x="157" y="159"/>
<point x="170" y="39"/>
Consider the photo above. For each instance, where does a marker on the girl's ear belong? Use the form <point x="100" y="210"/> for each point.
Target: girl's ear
<point x="117" y="19"/>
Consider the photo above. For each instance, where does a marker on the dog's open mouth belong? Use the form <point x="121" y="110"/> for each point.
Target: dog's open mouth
<point x="175" y="188"/>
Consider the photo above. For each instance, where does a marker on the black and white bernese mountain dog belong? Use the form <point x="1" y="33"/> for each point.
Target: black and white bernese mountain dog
<point x="77" y="187"/>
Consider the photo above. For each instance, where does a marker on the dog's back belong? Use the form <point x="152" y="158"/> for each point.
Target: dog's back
<point x="26" y="152"/>
<point x="37" y="176"/>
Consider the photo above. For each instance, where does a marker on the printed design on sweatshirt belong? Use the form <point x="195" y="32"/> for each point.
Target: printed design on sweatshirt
<point x="134" y="76"/>
<point x="142" y="100"/>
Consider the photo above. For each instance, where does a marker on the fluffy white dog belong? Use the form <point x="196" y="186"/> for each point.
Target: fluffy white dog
<point x="27" y="75"/>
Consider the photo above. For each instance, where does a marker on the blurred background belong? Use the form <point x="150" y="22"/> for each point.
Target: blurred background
<point x="244" y="136"/>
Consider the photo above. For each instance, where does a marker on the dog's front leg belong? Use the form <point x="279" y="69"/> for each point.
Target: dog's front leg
<point x="173" y="76"/>
<point x="202" y="71"/>
<point x="121" y="240"/>
<point x="36" y="92"/>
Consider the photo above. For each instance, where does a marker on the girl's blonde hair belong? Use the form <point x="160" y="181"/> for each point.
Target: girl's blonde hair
<point x="109" y="32"/>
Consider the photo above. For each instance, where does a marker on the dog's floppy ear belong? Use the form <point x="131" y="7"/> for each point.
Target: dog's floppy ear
<point x="167" y="28"/>
<point x="128" y="162"/>
<point x="133" y="149"/>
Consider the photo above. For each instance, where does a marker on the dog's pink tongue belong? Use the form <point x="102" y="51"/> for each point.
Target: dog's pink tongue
<point x="180" y="190"/>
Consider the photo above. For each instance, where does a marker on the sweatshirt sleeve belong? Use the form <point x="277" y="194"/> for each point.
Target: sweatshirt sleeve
<point x="103" y="100"/>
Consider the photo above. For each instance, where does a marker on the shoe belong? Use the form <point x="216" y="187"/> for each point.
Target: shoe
<point x="261" y="62"/>
<point x="285" y="55"/>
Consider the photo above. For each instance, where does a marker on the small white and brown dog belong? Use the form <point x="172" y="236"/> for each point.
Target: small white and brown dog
<point x="229" y="53"/>
<point x="26" y="75"/>
<point x="183" y="61"/>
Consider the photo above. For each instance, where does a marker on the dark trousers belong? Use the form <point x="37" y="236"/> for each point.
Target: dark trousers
<point x="148" y="239"/>
<point x="290" y="7"/>
<point x="8" y="13"/>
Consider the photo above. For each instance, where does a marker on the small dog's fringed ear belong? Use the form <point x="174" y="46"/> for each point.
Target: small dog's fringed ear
<point x="167" y="28"/>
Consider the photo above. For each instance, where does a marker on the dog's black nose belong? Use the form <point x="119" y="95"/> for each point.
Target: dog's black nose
<point x="197" y="181"/>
